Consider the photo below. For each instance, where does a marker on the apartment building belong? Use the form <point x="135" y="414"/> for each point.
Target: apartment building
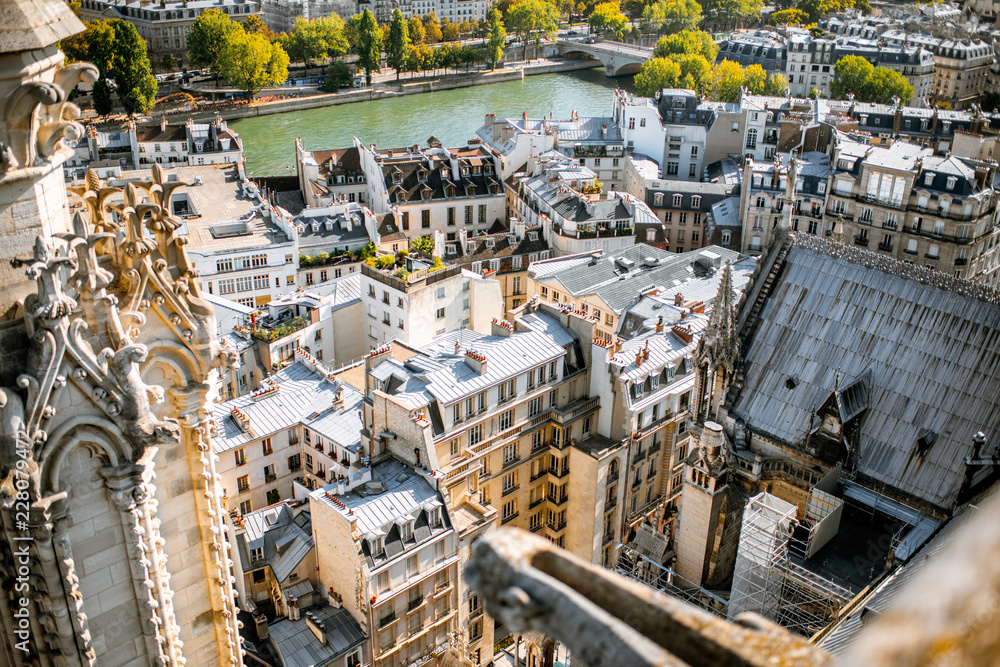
<point x="280" y="15"/>
<point x="133" y="146"/>
<point x="504" y="257"/>
<point x="337" y="228"/>
<point x="330" y="176"/>
<point x="434" y="188"/>
<point x="557" y="195"/>
<point x="594" y="142"/>
<point x="414" y="307"/>
<point x="299" y="431"/>
<point x="774" y="191"/>
<point x="682" y="207"/>
<point x="923" y="209"/>
<point x="810" y="63"/>
<point x="165" y="25"/>
<point x="961" y="66"/>
<point x="763" y="48"/>
<point x="390" y="551"/>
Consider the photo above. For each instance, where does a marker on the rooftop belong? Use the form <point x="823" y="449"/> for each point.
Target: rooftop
<point x="299" y="646"/>
<point x="276" y="537"/>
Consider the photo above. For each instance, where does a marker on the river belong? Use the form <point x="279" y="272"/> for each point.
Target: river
<point x="453" y="116"/>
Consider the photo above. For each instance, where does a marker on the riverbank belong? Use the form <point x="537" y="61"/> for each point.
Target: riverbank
<point x="388" y="90"/>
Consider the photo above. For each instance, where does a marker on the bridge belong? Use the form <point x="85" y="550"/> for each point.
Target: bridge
<point x="618" y="59"/>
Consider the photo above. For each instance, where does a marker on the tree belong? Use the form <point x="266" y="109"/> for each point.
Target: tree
<point x="695" y="42"/>
<point x="449" y="31"/>
<point x="729" y="12"/>
<point x="369" y="45"/>
<point x="497" y="41"/>
<point x="432" y="28"/>
<point x="533" y="15"/>
<point x="131" y="70"/>
<point x="754" y="78"/>
<point x="851" y="74"/>
<point x="338" y="75"/>
<point x="416" y="30"/>
<point x="398" y="45"/>
<point x="252" y="62"/>
<point x="776" y="86"/>
<point x="679" y="15"/>
<point x="167" y="63"/>
<point x="254" y="25"/>
<point x="607" y="17"/>
<point x="207" y="38"/>
<point x="657" y="74"/>
<point x="726" y="81"/>
<point x="885" y="84"/>
<point x="789" y="17"/>
<point x="316" y="40"/>
<point x="696" y="72"/>
<point x="104" y="102"/>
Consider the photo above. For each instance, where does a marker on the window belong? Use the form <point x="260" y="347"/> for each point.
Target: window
<point x="440" y="313"/>
<point x="751" y="138"/>
<point x="509" y="510"/>
<point x="425" y="219"/>
<point x="382" y="581"/>
<point x="243" y="484"/>
<point x="510" y="482"/>
<point x="412" y="566"/>
<point x="678" y="199"/>
<point x="266" y="446"/>
<point x="451" y="216"/>
<point x="294" y="462"/>
<point x="482" y="213"/>
<point x="475" y="435"/>
<point x="241" y="457"/>
<point x="510" y="453"/>
<point x="534" y="406"/>
<point x="506" y="420"/>
<point x="695" y="201"/>
<point x="671" y="168"/>
<point x="246" y="507"/>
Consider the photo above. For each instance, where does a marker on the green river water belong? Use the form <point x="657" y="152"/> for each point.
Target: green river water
<point x="453" y="116"/>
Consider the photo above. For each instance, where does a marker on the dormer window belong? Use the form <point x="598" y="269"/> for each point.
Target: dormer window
<point x="434" y="517"/>
<point x="376" y="545"/>
<point x="952" y="182"/>
<point x="422" y="175"/>
<point x="489" y="243"/>
<point x="451" y="249"/>
<point x="658" y="199"/>
<point x="678" y="199"/>
<point x="695" y="201"/>
<point x="488" y="169"/>
<point x="397" y="177"/>
<point x="406" y="531"/>
<point x="928" y="178"/>
<point x="256" y="554"/>
<point x="426" y="193"/>
<point x="533" y="235"/>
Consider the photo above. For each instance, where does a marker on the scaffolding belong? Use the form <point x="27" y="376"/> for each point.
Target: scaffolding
<point x="638" y="567"/>
<point x="768" y="583"/>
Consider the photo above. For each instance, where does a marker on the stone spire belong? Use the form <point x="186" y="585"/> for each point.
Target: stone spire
<point x="38" y="130"/>
<point x="718" y="344"/>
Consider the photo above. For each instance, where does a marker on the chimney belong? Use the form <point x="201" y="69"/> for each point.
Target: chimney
<point x="659" y="324"/>
<point x="163" y="124"/>
<point x="376" y="357"/>
<point x="476" y="361"/>
<point x="502" y="328"/>
<point x="463" y="240"/>
<point x="678" y="299"/>
<point x="524" y="116"/>
<point x="683" y="332"/>
<point x="458" y="347"/>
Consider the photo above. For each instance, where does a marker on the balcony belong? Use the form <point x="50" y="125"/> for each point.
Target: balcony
<point x="269" y="477"/>
<point x="612" y="479"/>
<point x="558" y="500"/>
<point x="321" y="474"/>
<point x="415" y="603"/>
<point x="885" y="247"/>
<point x="269" y="330"/>
<point x="509" y="490"/>
<point x="508" y="518"/>
<point x="909" y="252"/>
<point x="755" y="248"/>
<point x="884" y="203"/>
<point x="961" y="261"/>
<point x="386" y="620"/>
<point x="536" y="503"/>
<point x="861" y="240"/>
<point x="933" y="257"/>
<point x="639" y="457"/>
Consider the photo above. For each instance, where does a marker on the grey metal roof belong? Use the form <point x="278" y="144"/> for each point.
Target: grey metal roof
<point x="284" y="541"/>
<point x="302" y="393"/>
<point x="299" y="647"/>
<point x="396" y="494"/>
<point x="932" y="354"/>
<point x="620" y="277"/>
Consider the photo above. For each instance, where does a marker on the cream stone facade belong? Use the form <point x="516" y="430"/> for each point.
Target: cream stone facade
<point x="106" y="385"/>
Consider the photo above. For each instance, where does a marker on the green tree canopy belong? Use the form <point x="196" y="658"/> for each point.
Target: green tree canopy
<point x="254" y="25"/>
<point x="119" y="53"/>
<point x="696" y="72"/>
<point x="369" y="45"/>
<point x="679" y="15"/>
<point x="530" y="16"/>
<point x="754" y="78"/>
<point x="253" y="62"/>
<point x="608" y="17"/>
<point x="207" y="38"/>
<point x="316" y="40"/>
<point x="776" y="86"/>
<point x="415" y="29"/>
<point x="854" y="74"/>
<point x="696" y="42"/>
<point x="728" y="12"/>
<point x="657" y="74"/>
<point x="789" y="17"/>
<point x="497" y="41"/>
<point x="432" y="28"/>
<point x="398" y="45"/>
<point x="450" y="31"/>
<point x="726" y="81"/>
